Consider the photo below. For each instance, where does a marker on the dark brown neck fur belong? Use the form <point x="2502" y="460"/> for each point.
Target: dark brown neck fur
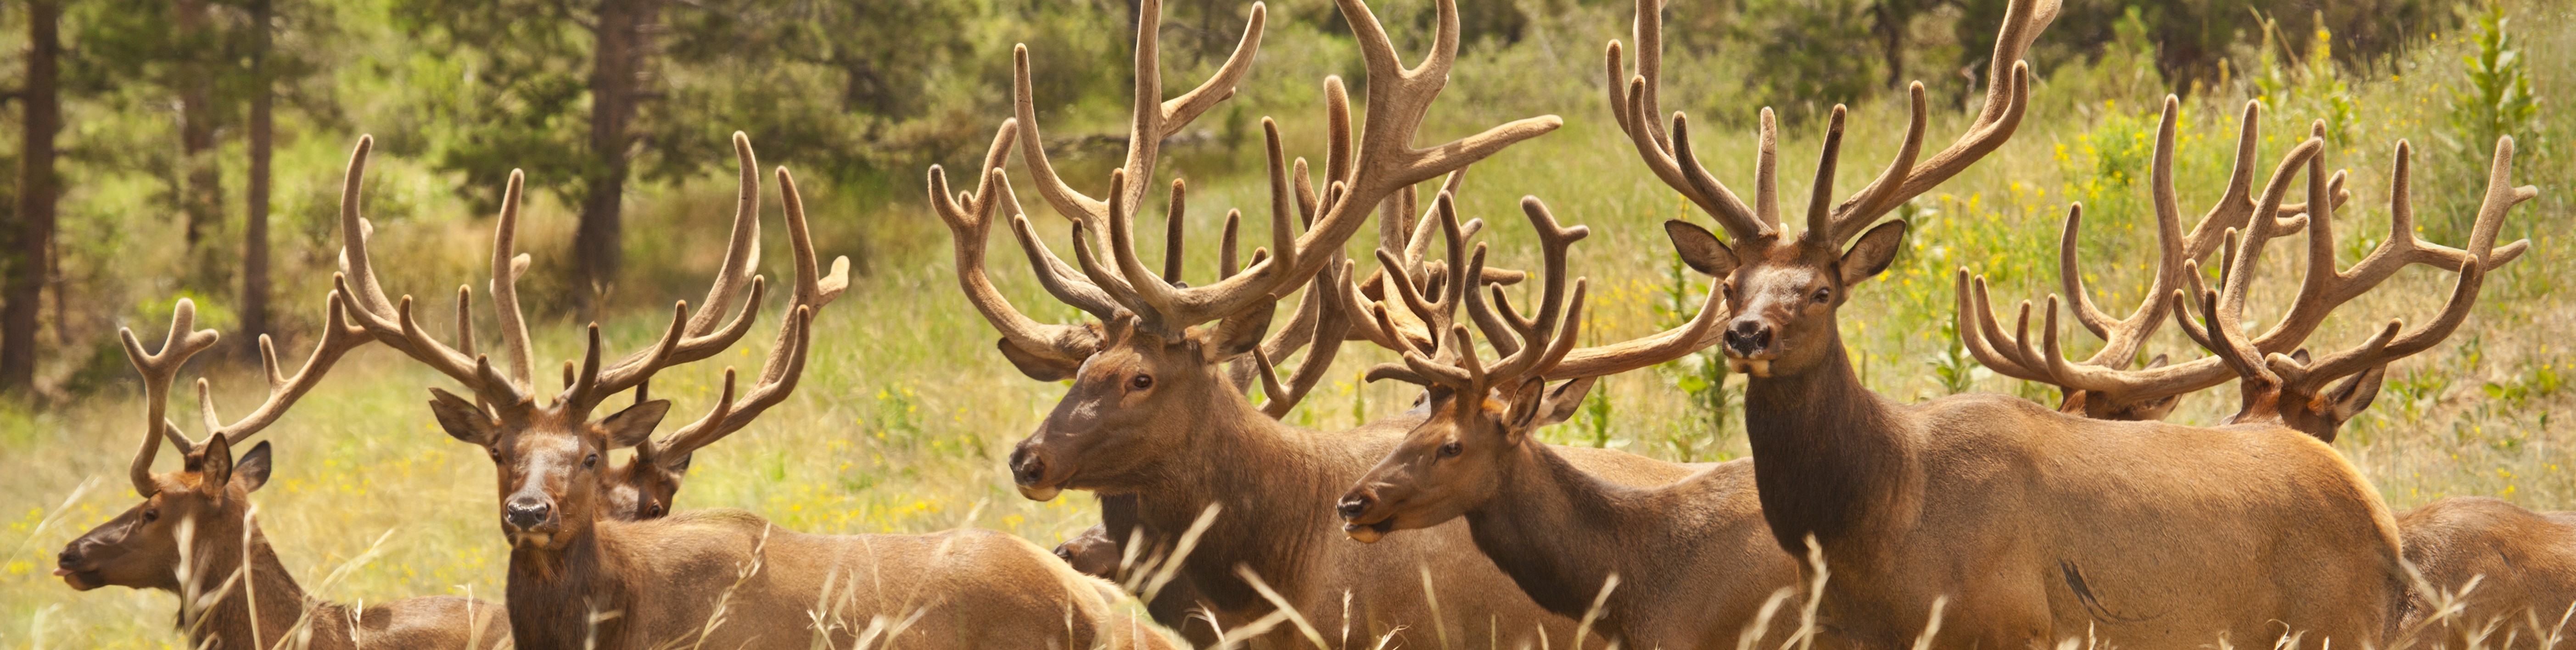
<point x="1561" y="532"/>
<point x="1831" y="457"/>
<point x="554" y="592"/>
<point x="230" y="621"/>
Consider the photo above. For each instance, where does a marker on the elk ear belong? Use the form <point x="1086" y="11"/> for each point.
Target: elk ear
<point x="2356" y="393"/>
<point x="1565" y="400"/>
<point x="252" y="470"/>
<point x="634" y="425"/>
<point x="214" y="464"/>
<point x="1877" y="249"/>
<point x="462" y="419"/>
<point x="1236" y="335"/>
<point x="678" y="465"/>
<point x="1037" y="367"/>
<point x="1700" y="249"/>
<point x="1528" y="401"/>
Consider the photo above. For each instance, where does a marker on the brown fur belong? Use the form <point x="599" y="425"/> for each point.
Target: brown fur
<point x="140" y="549"/>
<point x="730" y="579"/>
<point x="2037" y="526"/>
<point x="1191" y="440"/>
<point x="1695" y="561"/>
<point x="2524" y="563"/>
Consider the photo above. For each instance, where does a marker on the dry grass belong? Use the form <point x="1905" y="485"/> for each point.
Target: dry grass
<point x="906" y="415"/>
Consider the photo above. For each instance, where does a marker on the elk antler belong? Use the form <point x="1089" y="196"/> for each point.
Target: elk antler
<point x="392" y="323"/>
<point x="1384" y="162"/>
<point x="2109" y="387"/>
<point x="2123" y="337"/>
<point x="2269" y="371"/>
<point x="160" y="368"/>
<point x="1634" y="105"/>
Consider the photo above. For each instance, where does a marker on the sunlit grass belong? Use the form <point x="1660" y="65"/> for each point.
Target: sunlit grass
<point x="906" y="413"/>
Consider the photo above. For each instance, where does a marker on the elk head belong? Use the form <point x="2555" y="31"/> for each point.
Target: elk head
<point x="1784" y="289"/>
<point x="1483" y="413"/>
<point x="553" y="479"/>
<point x="206" y="504"/>
<point x="1148" y="370"/>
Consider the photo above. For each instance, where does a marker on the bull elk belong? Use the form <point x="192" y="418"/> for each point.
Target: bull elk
<point x="1690" y="564"/>
<point x="2525" y="572"/>
<point x="194" y="535"/>
<point x="580" y="577"/>
<point x="1153" y="411"/>
<point x="2029" y="525"/>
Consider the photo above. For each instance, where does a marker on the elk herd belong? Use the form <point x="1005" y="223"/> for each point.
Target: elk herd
<point x="1971" y="521"/>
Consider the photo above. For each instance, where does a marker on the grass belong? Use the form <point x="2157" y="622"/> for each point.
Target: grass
<point x="906" y="414"/>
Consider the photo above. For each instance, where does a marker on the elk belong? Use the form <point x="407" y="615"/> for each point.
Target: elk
<point x="2526" y="574"/>
<point x="2017" y="525"/>
<point x="1690" y="564"/>
<point x="724" y="578"/>
<point x="1153" y="412"/>
<point x="193" y="534"/>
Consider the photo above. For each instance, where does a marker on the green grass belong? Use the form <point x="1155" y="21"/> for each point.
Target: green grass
<point x="906" y="413"/>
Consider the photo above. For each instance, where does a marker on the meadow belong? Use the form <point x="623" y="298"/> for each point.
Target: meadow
<point x="906" y="413"/>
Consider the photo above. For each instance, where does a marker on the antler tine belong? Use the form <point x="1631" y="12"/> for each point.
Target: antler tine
<point x="1636" y="107"/>
<point x="158" y="370"/>
<point x="2388" y="345"/>
<point x="391" y="322"/>
<point x="699" y="338"/>
<point x="1330" y="326"/>
<point x="338" y="338"/>
<point x="969" y="218"/>
<point x="1152" y="119"/>
<point x="813" y="287"/>
<point x="507" y="268"/>
<point x="778" y="378"/>
<point x="2007" y="98"/>
<point x="2326" y="288"/>
<point x="1536" y="344"/>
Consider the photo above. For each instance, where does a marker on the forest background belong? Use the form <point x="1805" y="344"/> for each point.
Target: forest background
<point x="193" y="148"/>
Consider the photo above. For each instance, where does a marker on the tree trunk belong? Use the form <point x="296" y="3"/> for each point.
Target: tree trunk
<point x="623" y="44"/>
<point x="34" y="234"/>
<point x="254" y="298"/>
<point x="203" y="201"/>
<point x="1891" y="26"/>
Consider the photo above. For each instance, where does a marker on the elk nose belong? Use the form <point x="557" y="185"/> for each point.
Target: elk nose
<point x="1748" y="336"/>
<point x="1027" y="468"/>
<point x="527" y="513"/>
<point x="1354" y="505"/>
<point x="68" y="559"/>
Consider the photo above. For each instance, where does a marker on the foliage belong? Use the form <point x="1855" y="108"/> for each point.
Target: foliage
<point x="2496" y="101"/>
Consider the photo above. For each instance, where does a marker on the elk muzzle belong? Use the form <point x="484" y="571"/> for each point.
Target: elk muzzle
<point x="1748" y="347"/>
<point x="529" y="517"/>
<point x="1362" y="517"/>
<point x="74" y="566"/>
<point x="1034" y="476"/>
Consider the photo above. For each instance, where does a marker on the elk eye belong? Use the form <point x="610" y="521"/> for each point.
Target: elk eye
<point x="1824" y="295"/>
<point x="495" y="452"/>
<point x="151" y="515"/>
<point x="1451" y="450"/>
<point x="654" y="510"/>
<point x="1141" y="382"/>
<point x="589" y="461"/>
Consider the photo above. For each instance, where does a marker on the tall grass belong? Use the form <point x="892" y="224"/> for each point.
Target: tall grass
<point x="906" y="413"/>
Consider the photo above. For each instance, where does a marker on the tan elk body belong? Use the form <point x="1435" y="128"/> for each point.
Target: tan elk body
<point x="2020" y="525"/>
<point x="579" y="577"/>
<point x="1690" y="564"/>
<point x="194" y="534"/>
<point x="1154" y="413"/>
<point x="2494" y="574"/>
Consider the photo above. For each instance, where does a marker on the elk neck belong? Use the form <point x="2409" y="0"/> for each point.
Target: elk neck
<point x="1831" y="458"/>
<point x="554" y="593"/>
<point x="1561" y="532"/>
<point x="267" y="585"/>
<point x="1266" y="477"/>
